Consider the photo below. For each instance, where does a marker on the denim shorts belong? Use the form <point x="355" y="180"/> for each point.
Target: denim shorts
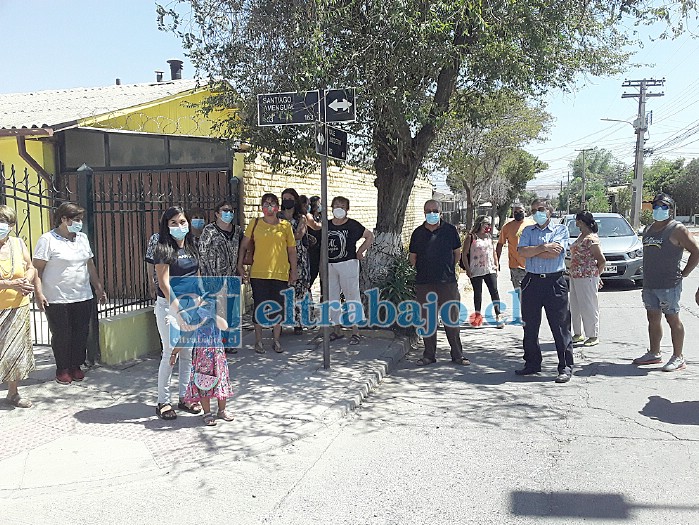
<point x="666" y="300"/>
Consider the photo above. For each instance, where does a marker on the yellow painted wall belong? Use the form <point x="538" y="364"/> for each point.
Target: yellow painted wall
<point x="173" y="116"/>
<point x="128" y="336"/>
<point x="30" y="226"/>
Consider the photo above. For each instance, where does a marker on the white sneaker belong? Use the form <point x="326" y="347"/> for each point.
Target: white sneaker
<point x="674" y="364"/>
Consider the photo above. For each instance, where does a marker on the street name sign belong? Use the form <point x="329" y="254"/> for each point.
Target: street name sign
<point x="338" y="105"/>
<point x="336" y="144"/>
<point x="286" y="109"/>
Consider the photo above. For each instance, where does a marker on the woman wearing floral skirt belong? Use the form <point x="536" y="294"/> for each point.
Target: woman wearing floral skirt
<point x="16" y="277"/>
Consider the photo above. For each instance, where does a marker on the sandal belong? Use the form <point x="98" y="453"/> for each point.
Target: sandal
<point x="165" y="411"/>
<point x="354" y="340"/>
<point x="192" y="408"/>
<point x="277" y="347"/>
<point x="461" y="362"/>
<point x="259" y="348"/>
<point x="18" y="402"/>
<point x="222" y="414"/>
<point x="209" y="420"/>
<point x="335" y="336"/>
<point x="423" y="361"/>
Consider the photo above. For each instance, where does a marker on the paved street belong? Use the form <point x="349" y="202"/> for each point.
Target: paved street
<point x="439" y="444"/>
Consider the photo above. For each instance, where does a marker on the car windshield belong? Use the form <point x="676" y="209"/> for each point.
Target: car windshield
<point x="608" y="227"/>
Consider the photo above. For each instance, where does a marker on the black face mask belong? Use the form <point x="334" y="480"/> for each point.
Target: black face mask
<point x="519" y="215"/>
<point x="288" y="204"/>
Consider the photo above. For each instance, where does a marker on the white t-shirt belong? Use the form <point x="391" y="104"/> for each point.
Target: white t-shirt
<point x="65" y="278"/>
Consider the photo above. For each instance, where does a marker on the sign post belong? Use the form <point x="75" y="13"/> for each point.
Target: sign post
<point x="306" y="107"/>
<point x="322" y="136"/>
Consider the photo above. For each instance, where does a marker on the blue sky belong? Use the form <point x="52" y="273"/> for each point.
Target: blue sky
<point x="83" y="43"/>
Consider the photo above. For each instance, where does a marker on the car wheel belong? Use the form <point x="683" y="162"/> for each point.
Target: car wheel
<point x="638" y="282"/>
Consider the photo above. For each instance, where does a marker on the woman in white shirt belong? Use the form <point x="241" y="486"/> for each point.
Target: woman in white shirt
<point x="65" y="271"/>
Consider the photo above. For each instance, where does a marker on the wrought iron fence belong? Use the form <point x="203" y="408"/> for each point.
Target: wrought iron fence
<point x="123" y="210"/>
<point x="33" y="199"/>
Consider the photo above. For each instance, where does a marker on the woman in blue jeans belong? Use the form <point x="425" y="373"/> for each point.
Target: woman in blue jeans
<point x="175" y="255"/>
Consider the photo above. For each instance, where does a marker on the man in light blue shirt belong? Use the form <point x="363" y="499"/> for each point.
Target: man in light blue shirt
<point x="543" y="245"/>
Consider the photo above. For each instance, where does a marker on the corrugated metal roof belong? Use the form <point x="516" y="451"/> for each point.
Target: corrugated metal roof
<point x="61" y="108"/>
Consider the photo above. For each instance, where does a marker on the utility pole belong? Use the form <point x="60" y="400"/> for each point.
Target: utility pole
<point x="640" y="126"/>
<point x="568" y="195"/>
<point x="560" y="196"/>
<point x="583" y="201"/>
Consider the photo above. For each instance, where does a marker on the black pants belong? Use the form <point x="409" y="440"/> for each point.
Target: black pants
<point x="491" y="281"/>
<point x="551" y="294"/>
<point x="69" y="324"/>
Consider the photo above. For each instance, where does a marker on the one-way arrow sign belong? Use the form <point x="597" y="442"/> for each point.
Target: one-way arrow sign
<point x="339" y="105"/>
<point x="336" y="145"/>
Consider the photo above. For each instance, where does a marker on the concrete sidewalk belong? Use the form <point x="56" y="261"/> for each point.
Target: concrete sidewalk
<point x="107" y="424"/>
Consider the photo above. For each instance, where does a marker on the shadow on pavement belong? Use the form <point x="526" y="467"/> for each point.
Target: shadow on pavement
<point x="680" y="413"/>
<point x="586" y="505"/>
<point x="612" y="370"/>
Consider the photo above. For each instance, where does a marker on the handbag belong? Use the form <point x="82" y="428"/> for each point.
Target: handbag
<point x="468" y="253"/>
<point x="250" y="253"/>
<point x="205" y="382"/>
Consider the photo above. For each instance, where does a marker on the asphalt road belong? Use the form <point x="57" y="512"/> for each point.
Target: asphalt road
<point x="619" y="444"/>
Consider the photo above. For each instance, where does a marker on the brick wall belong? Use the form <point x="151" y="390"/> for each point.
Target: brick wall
<point x="356" y="185"/>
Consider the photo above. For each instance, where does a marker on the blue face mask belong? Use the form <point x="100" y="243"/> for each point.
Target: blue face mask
<point x="227" y="216"/>
<point x="75" y="226"/>
<point x="540" y="217"/>
<point x="4" y="230"/>
<point x="660" y="214"/>
<point x="179" y="232"/>
<point x="198" y="223"/>
<point x="432" y="218"/>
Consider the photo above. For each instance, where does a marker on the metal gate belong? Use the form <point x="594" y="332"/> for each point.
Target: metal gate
<point x="34" y="201"/>
<point x="123" y="210"/>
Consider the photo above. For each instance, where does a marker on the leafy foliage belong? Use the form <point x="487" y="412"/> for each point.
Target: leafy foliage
<point x="399" y="283"/>
<point x="473" y="153"/>
<point x="412" y="62"/>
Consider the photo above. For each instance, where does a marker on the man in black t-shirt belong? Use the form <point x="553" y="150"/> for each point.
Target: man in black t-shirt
<point x="435" y="248"/>
<point x="343" y="259"/>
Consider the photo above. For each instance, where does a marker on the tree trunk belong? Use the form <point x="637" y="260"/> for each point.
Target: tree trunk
<point x="394" y="183"/>
<point x="469" y="207"/>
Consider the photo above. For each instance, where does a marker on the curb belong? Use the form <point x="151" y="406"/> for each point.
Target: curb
<point x="393" y="355"/>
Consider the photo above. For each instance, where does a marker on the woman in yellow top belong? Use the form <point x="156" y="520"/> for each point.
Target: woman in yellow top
<point x="273" y="268"/>
<point x="16" y="278"/>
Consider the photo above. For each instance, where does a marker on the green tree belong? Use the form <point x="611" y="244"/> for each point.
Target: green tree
<point x="473" y="153"/>
<point x="660" y="176"/>
<point x="602" y="170"/>
<point x="686" y="189"/>
<point x="411" y="61"/>
<point x="518" y="169"/>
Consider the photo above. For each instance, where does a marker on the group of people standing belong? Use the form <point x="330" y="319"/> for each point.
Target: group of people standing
<point x="278" y="250"/>
<point x="64" y="280"/>
<point x="536" y="254"/>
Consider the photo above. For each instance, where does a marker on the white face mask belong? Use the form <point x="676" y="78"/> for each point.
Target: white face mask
<point x="339" y="213"/>
<point x="4" y="230"/>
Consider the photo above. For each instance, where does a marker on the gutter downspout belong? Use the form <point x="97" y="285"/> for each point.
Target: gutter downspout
<point x="31" y="161"/>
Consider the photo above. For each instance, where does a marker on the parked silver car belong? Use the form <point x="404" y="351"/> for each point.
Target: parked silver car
<point x="620" y="245"/>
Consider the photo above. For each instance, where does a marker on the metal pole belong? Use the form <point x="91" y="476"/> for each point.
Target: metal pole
<point x="568" y="195"/>
<point x="324" y="245"/>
